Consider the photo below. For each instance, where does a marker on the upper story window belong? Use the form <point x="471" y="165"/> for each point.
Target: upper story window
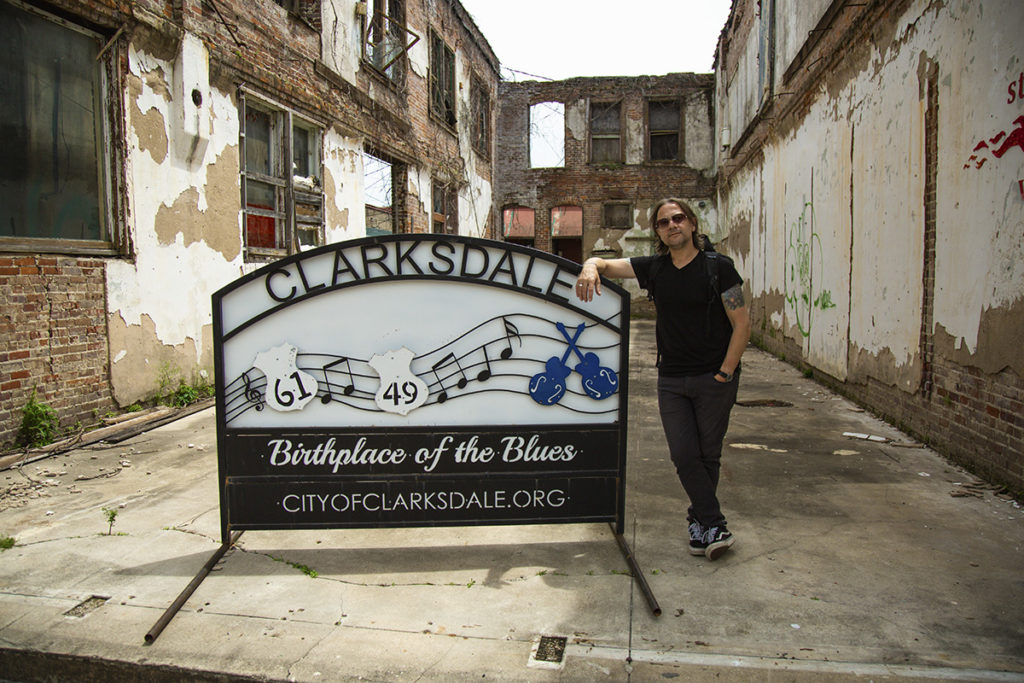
<point x="56" y="182"/>
<point x="385" y="37"/>
<point x="663" y="126"/>
<point x="547" y="135"/>
<point x="281" y="180"/>
<point x="606" y="132"/>
<point x="442" y="80"/>
<point x="481" y="106"/>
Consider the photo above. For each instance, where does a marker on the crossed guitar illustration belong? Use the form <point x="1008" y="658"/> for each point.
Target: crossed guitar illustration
<point x="599" y="382"/>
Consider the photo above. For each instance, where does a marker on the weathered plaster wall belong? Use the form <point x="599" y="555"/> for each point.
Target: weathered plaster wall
<point x="905" y="295"/>
<point x="186" y="233"/>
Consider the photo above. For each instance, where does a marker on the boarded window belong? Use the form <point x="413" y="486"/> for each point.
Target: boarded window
<point x="567" y="221"/>
<point x="51" y="127"/>
<point x="517" y="222"/>
<point x="618" y="215"/>
<point x="442" y="80"/>
<point x="547" y="135"/>
<point x="663" y="129"/>
<point x="281" y="186"/>
<point x="605" y="132"/>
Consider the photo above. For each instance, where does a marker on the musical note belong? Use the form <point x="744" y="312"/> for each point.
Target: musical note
<point x="548" y="387"/>
<point x="463" y="381"/>
<point x="510" y="331"/>
<point x="347" y="389"/>
<point x="252" y="394"/>
<point x="599" y="382"/>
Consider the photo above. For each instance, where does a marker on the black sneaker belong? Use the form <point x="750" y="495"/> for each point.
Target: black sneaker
<point x="697" y="544"/>
<point x="717" y="540"/>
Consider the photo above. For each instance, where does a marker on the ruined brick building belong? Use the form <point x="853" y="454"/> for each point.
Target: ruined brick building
<point x="862" y="162"/>
<point x="159" y="149"/>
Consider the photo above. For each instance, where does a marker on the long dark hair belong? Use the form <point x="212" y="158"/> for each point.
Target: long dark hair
<point x="659" y="246"/>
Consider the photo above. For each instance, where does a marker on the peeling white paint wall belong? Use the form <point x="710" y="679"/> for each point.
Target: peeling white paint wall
<point x="156" y="178"/>
<point x="836" y="204"/>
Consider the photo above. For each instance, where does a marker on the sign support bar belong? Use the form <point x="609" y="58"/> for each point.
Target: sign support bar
<point x="190" y="589"/>
<point x="638" y="574"/>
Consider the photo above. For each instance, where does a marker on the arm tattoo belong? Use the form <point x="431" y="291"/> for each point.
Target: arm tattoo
<point x="732" y="298"/>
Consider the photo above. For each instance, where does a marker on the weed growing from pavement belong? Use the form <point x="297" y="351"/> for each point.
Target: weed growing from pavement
<point x="311" y="573"/>
<point x="110" y="514"/>
<point x="6" y="542"/>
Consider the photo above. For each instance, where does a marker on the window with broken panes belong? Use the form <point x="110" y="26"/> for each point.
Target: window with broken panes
<point x="445" y="203"/>
<point x="442" y="80"/>
<point x="605" y="132"/>
<point x="481" y="105"/>
<point x="385" y="38"/>
<point x="617" y="215"/>
<point x="54" y="163"/>
<point x="663" y="130"/>
<point x="281" y="180"/>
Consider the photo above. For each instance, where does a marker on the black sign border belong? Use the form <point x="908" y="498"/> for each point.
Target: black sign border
<point x="562" y="265"/>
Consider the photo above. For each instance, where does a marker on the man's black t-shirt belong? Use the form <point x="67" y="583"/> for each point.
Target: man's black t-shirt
<point x="692" y="329"/>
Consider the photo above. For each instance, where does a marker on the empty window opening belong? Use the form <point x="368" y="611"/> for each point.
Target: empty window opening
<point x="547" y="135"/>
<point x="606" y="132"/>
<point x="442" y="80"/>
<point x="52" y="160"/>
<point x="517" y="224"/>
<point x="445" y="203"/>
<point x="379" y="197"/>
<point x="617" y="215"/>
<point x="281" y="180"/>
<point x="663" y="130"/>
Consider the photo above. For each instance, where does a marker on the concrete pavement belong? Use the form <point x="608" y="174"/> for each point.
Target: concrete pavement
<point x="855" y="559"/>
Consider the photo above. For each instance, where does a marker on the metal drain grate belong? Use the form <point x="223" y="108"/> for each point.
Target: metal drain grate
<point x="86" y="606"/>
<point x="548" y="653"/>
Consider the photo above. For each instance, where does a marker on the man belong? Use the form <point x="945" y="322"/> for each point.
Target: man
<point x="702" y="329"/>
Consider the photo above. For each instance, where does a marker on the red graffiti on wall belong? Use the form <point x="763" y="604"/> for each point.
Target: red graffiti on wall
<point x="1004" y="140"/>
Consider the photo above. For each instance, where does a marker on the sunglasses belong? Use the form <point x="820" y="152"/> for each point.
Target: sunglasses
<point x="677" y="219"/>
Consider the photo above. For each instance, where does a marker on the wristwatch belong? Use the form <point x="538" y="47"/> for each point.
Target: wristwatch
<point x="727" y="376"/>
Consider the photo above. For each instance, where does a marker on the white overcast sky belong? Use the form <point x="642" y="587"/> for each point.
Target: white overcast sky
<point x="559" y="39"/>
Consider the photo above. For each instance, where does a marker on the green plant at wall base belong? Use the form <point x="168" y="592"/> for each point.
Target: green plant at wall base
<point x="6" y="542"/>
<point x="38" y="423"/>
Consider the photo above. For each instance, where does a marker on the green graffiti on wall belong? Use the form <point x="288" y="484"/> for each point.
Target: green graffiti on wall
<point x="803" y="258"/>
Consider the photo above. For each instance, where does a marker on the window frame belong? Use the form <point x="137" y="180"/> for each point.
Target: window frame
<point x="443" y="70"/>
<point x="289" y="194"/>
<point x="446" y="197"/>
<point x="617" y="136"/>
<point x="652" y="132"/>
<point x="480" y="106"/>
<point x="389" y="23"/>
<point x="109" y="168"/>
<point x="606" y="223"/>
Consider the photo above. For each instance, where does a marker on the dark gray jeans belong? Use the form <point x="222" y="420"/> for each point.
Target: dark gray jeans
<point x="695" y="415"/>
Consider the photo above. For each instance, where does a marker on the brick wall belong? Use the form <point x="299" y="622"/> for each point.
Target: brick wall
<point x="53" y="338"/>
<point x="581" y="183"/>
<point x="975" y="419"/>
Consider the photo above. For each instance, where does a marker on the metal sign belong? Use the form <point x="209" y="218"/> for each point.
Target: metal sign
<point x="419" y="380"/>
